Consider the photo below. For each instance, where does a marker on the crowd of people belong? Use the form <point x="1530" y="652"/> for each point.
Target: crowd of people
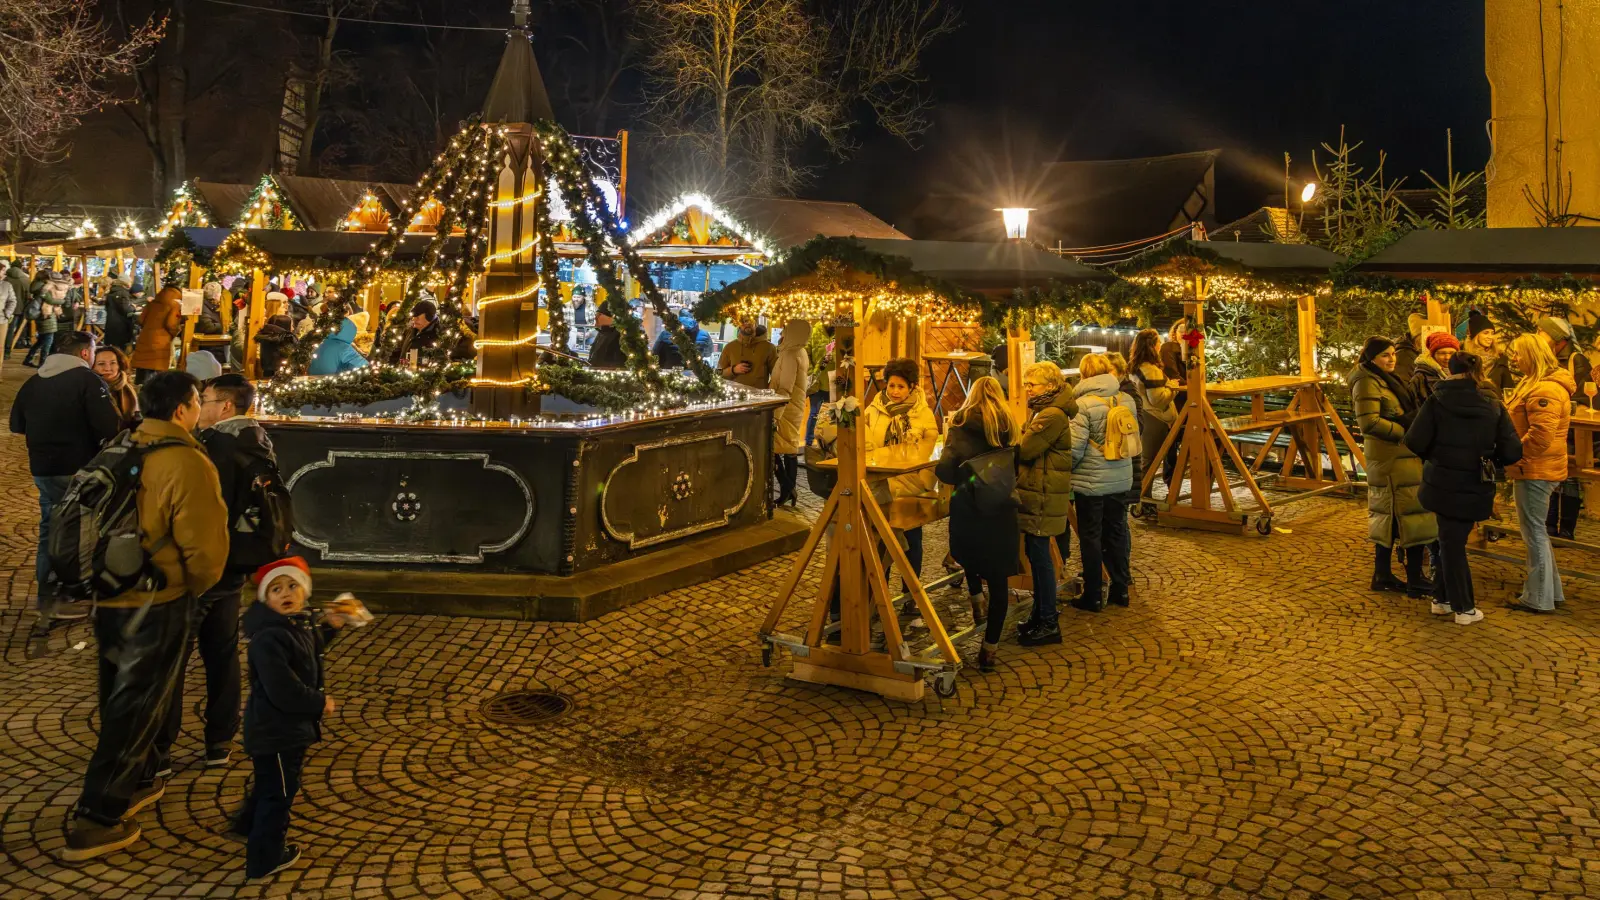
<point x="209" y="510"/>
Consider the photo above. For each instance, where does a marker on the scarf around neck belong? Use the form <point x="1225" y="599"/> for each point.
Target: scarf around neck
<point x="899" y="419"/>
<point x="1408" y="400"/>
<point x="1043" y="400"/>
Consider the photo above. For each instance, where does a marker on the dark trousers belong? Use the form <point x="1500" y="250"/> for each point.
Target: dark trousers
<point x="18" y="325"/>
<point x="1382" y="561"/>
<point x="913" y="556"/>
<point x="51" y="489"/>
<point x="1103" y="540"/>
<point x="1044" y="578"/>
<point x="137" y="674"/>
<point x="41" y="345"/>
<point x="214" y="627"/>
<point x="999" y="601"/>
<point x="1565" y="503"/>
<point x="265" y="814"/>
<point x="1455" y="574"/>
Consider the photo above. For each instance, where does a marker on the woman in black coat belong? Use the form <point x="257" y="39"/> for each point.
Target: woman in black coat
<point x="1461" y="434"/>
<point x="987" y="545"/>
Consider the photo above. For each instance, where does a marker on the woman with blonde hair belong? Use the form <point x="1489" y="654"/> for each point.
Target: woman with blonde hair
<point x="1540" y="407"/>
<point x="1044" y="485"/>
<point x="984" y="535"/>
<point x="1099" y="483"/>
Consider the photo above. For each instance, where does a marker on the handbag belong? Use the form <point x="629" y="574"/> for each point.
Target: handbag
<point x="991" y="478"/>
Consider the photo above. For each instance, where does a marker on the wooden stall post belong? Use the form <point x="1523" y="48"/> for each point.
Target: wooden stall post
<point x="187" y="342"/>
<point x="253" y="319"/>
<point x="1437" y="314"/>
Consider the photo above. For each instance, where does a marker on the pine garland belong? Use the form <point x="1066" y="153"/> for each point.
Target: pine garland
<point x="622" y="391"/>
<point x="550" y="272"/>
<point x="364" y="386"/>
<point x="587" y="206"/>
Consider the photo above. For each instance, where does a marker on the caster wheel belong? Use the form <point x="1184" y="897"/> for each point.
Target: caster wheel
<point x="1264" y="525"/>
<point x="945" y="685"/>
<point x="1148" y="510"/>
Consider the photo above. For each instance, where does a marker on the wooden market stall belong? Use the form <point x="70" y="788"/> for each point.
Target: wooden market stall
<point x="877" y="293"/>
<point x="1255" y="271"/>
<point x="1514" y="276"/>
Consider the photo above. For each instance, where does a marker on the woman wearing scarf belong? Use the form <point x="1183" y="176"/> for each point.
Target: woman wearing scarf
<point x="112" y="365"/>
<point x="1385" y="408"/>
<point x="900" y="414"/>
<point x="790" y="375"/>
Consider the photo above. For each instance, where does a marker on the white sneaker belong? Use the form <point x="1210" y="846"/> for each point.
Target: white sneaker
<point x="1441" y="609"/>
<point x="1467" y="618"/>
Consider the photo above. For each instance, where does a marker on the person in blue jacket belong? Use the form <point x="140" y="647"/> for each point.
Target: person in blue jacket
<point x="667" y="354"/>
<point x="337" y="352"/>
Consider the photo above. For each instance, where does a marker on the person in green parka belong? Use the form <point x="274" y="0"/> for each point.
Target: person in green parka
<point x="1385" y="408"/>
<point x="1044" y="485"/>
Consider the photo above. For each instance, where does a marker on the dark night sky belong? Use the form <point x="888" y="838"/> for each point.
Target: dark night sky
<point x="1027" y="81"/>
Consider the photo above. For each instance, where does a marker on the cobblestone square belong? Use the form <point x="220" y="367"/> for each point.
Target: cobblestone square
<point x="1257" y="724"/>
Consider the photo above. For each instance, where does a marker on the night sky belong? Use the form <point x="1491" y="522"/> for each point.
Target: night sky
<point x="1027" y="81"/>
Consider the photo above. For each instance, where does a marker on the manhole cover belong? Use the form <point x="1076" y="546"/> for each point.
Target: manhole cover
<point x="526" y="707"/>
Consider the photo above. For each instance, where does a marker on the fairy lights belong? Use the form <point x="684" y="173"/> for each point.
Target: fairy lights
<point x="267" y="208"/>
<point x="188" y="211"/>
<point x="703" y="203"/>
<point x="815" y="305"/>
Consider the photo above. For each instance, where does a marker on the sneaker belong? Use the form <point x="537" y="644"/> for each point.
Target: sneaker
<point x="87" y="839"/>
<point x="291" y="856"/>
<point x="1467" y="618"/>
<point x="1044" y="634"/>
<point x="1388" y="583"/>
<point x="165" y="771"/>
<point x="218" y="756"/>
<point x="145" y="796"/>
<point x="1440" y="609"/>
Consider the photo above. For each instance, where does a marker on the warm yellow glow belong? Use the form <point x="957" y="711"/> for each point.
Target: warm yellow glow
<point x="1016" y="221"/>
<point x="819" y="305"/>
<point x="502" y="298"/>
<point x="1307" y="192"/>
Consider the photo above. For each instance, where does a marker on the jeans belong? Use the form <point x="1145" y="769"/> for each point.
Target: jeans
<point x="42" y="343"/>
<point x="811" y="417"/>
<point x="137" y="673"/>
<point x="51" y="489"/>
<point x="1454" y="575"/>
<point x="214" y="626"/>
<point x="1103" y="539"/>
<point x="1542" y="590"/>
<point x="265" y="815"/>
<point x="1037" y="548"/>
<point x="14" y="334"/>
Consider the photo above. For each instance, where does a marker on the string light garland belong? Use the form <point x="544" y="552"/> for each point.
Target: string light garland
<point x="266" y="207"/>
<point x="188" y="210"/>
<point x="549" y="274"/>
<point x="699" y="201"/>
<point x="238" y="255"/>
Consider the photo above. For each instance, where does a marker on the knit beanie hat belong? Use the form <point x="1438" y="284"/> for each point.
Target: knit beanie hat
<point x="292" y="566"/>
<point x="1477" y="322"/>
<point x="1440" y="340"/>
<point x="1374" y="347"/>
<point x="426" y="309"/>
<point x="1556" y="327"/>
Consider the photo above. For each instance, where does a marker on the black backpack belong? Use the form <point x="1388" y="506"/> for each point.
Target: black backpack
<point x="991" y="479"/>
<point x="261" y="513"/>
<point x="95" y="547"/>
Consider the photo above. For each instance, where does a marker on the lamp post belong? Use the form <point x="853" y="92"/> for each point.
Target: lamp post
<point x="1306" y="194"/>
<point x="1015" y="219"/>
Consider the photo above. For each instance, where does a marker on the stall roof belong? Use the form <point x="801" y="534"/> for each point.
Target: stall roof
<point x="790" y="223"/>
<point x="331" y="246"/>
<point x="226" y="201"/>
<point x="1499" y="252"/>
<point x="323" y="203"/>
<point x="1267" y="259"/>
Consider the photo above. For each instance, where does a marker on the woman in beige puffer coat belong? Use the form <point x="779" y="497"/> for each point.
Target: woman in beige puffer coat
<point x="790" y="377"/>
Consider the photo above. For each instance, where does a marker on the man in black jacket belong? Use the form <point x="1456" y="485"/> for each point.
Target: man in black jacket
<point x="119" y="316"/>
<point x="65" y="413"/>
<point x="422" y="335"/>
<point x="242" y="452"/>
<point x="606" y="351"/>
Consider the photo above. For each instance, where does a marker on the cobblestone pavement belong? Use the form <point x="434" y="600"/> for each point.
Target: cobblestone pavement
<point x="1256" y="725"/>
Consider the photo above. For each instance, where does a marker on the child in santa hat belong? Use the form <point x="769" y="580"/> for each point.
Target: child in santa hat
<point x="283" y="716"/>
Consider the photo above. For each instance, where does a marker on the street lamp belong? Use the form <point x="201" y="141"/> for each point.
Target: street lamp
<point x="1307" y="192"/>
<point x="1015" y="219"/>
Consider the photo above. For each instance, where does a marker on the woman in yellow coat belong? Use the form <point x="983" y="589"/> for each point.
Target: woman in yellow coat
<point x="900" y="414"/>
<point x="1541" y="408"/>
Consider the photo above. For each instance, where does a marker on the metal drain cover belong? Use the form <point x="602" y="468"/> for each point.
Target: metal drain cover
<point x="526" y="707"/>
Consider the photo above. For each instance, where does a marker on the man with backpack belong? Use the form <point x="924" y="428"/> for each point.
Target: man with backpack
<point x="65" y="413"/>
<point x="143" y="628"/>
<point x="248" y="473"/>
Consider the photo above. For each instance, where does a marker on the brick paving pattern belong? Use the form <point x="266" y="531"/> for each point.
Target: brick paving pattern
<point x="1256" y="725"/>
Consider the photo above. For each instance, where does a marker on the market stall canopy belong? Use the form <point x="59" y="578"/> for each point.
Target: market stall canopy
<point x="1490" y="254"/>
<point x="226" y="201"/>
<point x="323" y="204"/>
<point x="790" y="223"/>
<point x="1258" y="260"/>
<point x="312" y="249"/>
<point x="986" y="267"/>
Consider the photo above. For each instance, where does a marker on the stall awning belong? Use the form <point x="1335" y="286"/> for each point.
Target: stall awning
<point x="1478" y="254"/>
<point x="984" y="266"/>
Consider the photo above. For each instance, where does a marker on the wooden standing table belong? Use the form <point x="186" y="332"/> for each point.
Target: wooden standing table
<point x="955" y="359"/>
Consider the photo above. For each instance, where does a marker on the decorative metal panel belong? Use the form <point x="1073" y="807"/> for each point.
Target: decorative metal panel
<point x="676" y="487"/>
<point x="409" y="506"/>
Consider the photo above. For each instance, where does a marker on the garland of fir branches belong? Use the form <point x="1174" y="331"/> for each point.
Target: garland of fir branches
<point x="608" y="392"/>
<point x="368" y="385"/>
<point x="550" y="272"/>
<point x="377" y="257"/>
<point x="1103" y="303"/>
<point x="586" y="205"/>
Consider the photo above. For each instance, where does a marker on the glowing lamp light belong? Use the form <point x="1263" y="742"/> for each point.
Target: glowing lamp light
<point x="1307" y="192"/>
<point x="1016" y="221"/>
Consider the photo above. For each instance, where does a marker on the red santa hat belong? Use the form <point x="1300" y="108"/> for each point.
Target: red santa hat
<point x="293" y="567"/>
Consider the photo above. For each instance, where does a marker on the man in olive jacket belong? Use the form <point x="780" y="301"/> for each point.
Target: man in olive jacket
<point x="1044" y="484"/>
<point x="142" y="634"/>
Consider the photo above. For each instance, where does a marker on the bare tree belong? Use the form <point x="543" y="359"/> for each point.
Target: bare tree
<point x="594" y="45"/>
<point x="323" y="65"/>
<point x="744" y="84"/>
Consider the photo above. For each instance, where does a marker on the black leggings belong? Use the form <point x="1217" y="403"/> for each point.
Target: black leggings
<point x="999" y="601"/>
<point x="1381" y="557"/>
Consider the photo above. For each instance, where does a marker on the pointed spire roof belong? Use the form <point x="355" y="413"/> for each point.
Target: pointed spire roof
<point x="518" y="93"/>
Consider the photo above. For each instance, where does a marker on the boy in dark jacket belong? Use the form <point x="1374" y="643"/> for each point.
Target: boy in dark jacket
<point x="283" y="716"/>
